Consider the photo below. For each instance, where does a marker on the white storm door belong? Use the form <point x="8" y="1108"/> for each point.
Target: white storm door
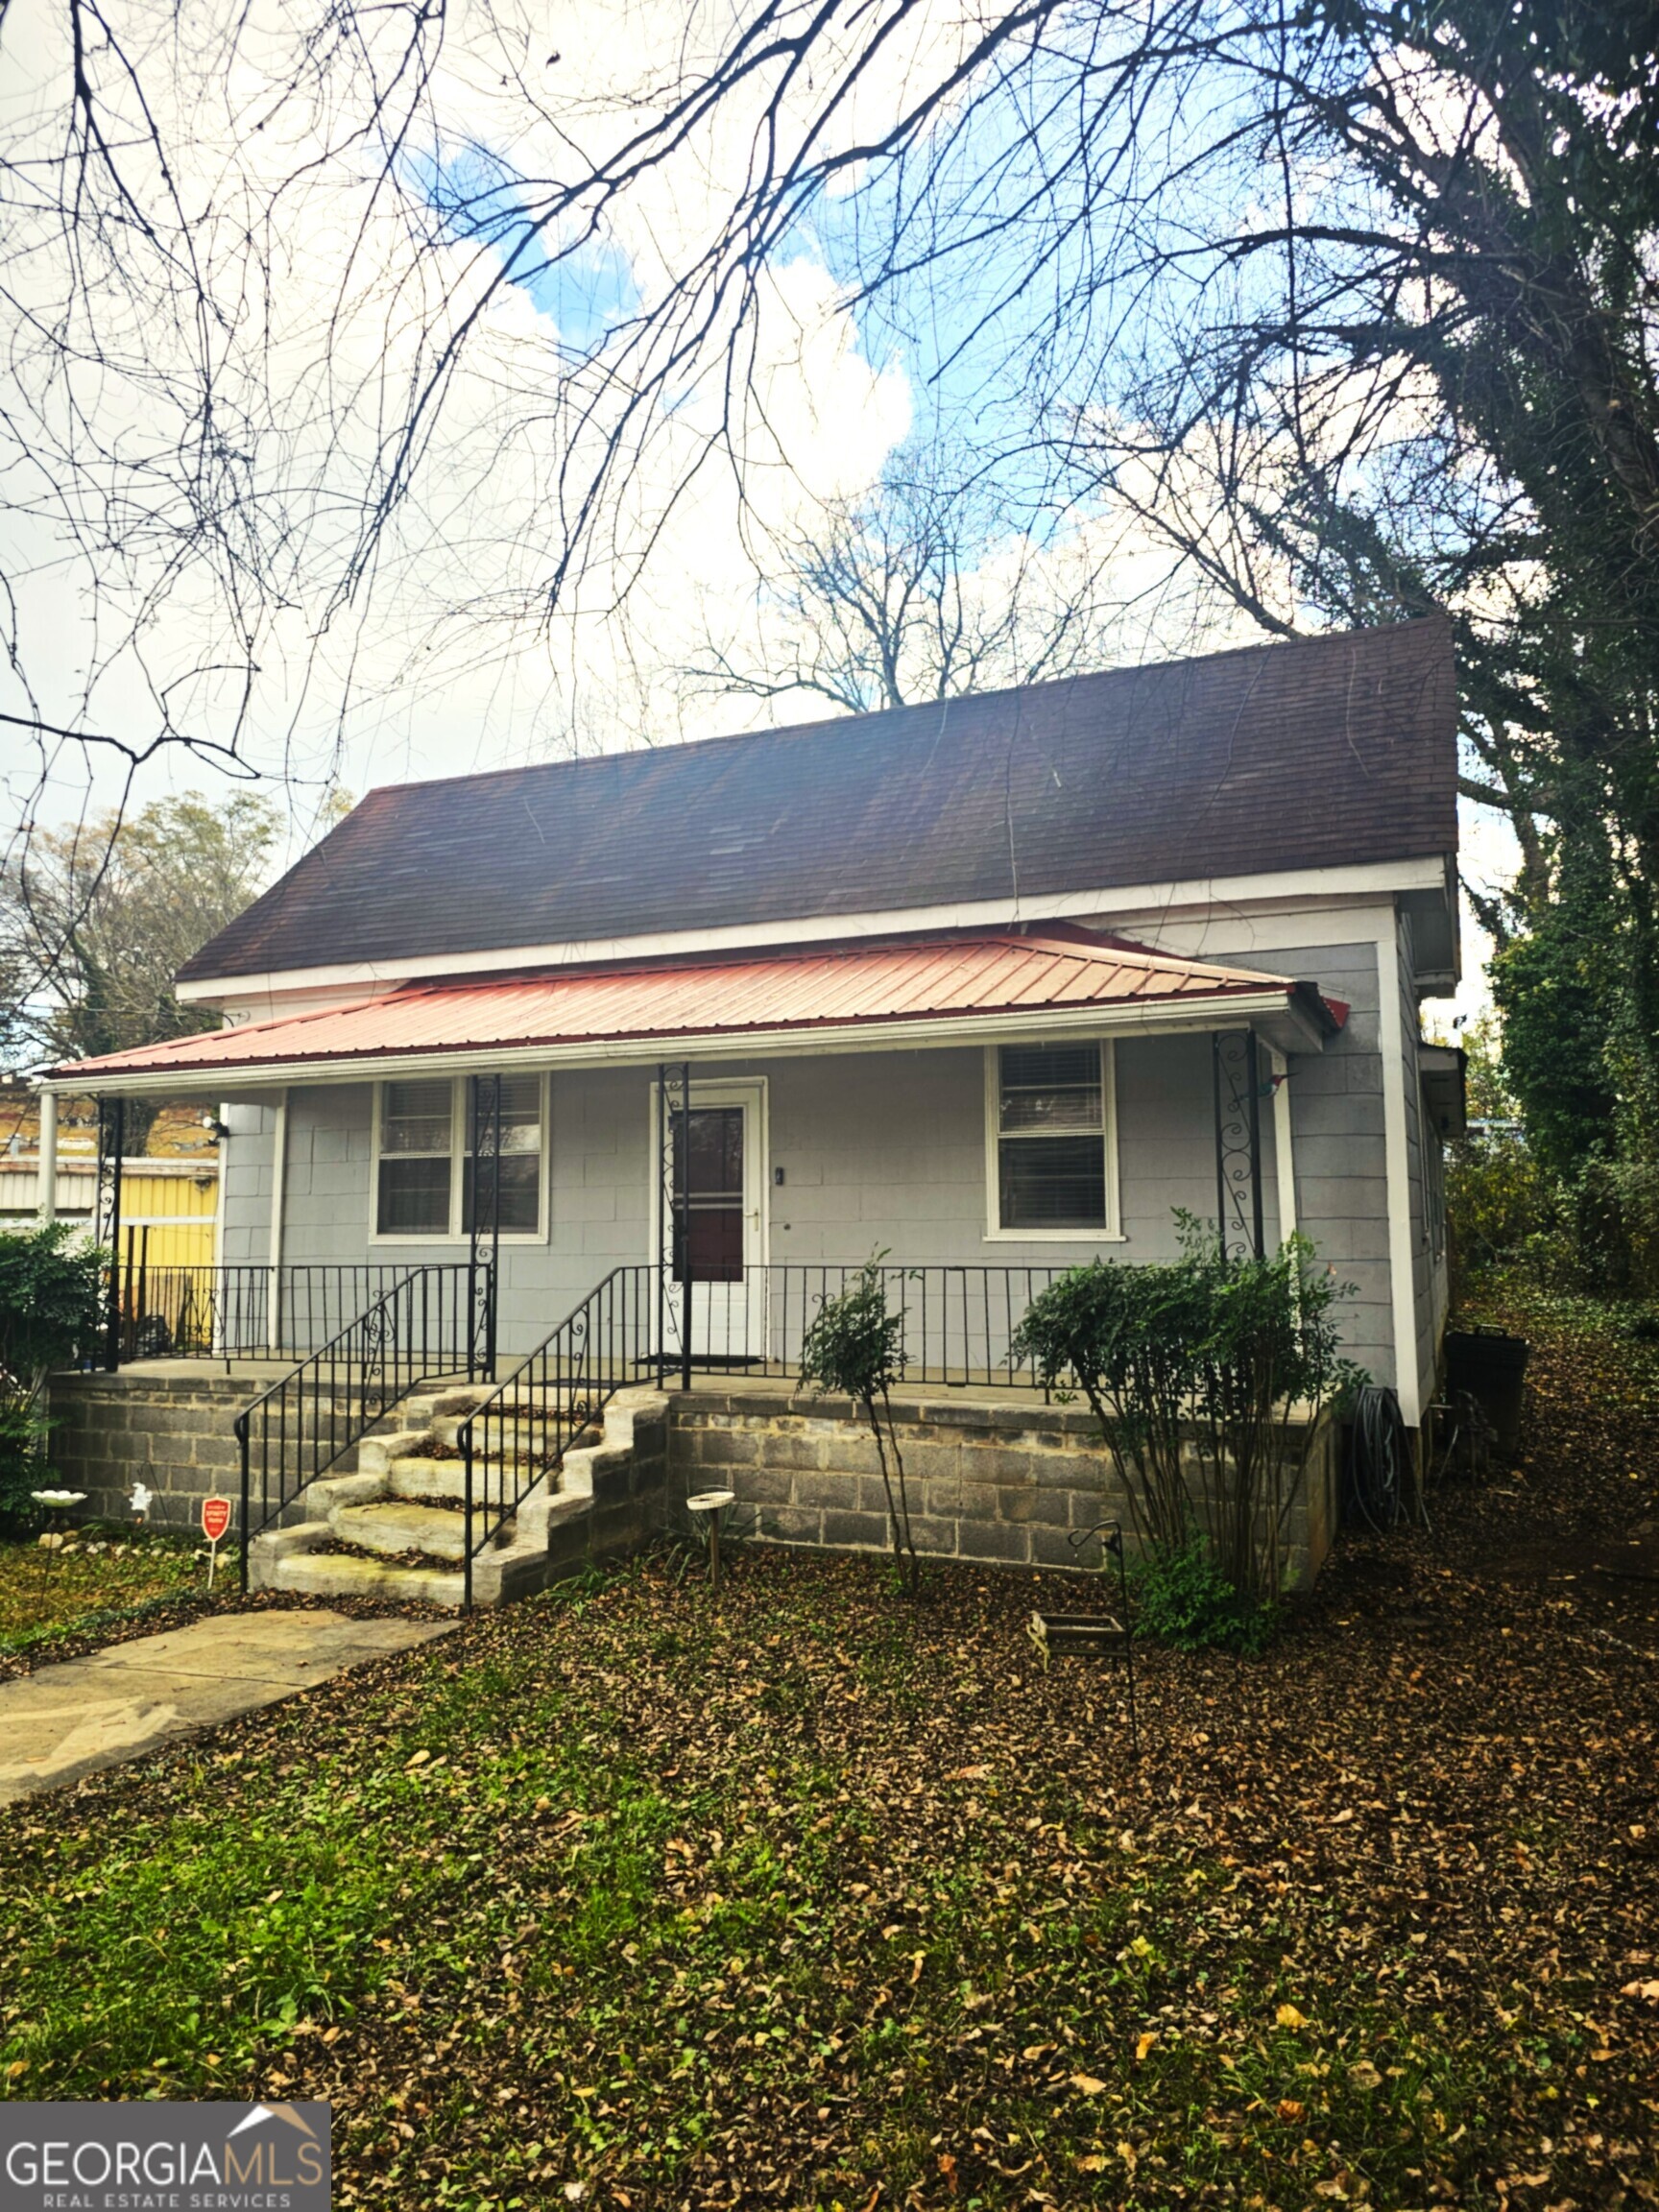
<point x="718" y="1184"/>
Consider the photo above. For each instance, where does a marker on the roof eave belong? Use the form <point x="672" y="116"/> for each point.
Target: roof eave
<point x="1166" y="899"/>
<point x="1283" y="1017"/>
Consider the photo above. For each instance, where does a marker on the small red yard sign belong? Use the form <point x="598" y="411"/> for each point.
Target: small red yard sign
<point x="215" y="1520"/>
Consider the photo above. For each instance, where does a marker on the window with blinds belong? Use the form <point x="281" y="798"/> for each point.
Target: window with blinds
<point x="1052" y="1137"/>
<point x="519" y="1178"/>
<point x="417" y="1147"/>
<point x="429" y="1167"/>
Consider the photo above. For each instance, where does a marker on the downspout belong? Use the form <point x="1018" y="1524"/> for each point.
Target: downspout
<point x="1283" y="1161"/>
<point x="220" y="1295"/>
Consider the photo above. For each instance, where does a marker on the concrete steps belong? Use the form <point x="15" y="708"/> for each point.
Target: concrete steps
<point x="389" y="1528"/>
<point x="393" y="1526"/>
<point x="347" y="1574"/>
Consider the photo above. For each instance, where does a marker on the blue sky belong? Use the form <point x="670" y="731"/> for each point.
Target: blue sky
<point x="584" y="286"/>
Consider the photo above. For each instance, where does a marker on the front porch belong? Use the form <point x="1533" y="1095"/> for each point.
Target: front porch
<point x="558" y="1480"/>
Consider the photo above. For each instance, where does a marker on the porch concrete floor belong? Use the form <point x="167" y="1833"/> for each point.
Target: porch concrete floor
<point x="68" y="1720"/>
<point x="723" y="1381"/>
<point x="738" y="1381"/>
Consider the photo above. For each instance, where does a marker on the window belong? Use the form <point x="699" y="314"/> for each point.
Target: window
<point x="521" y="1156"/>
<point x="416" y="1137"/>
<point x="714" y="1202"/>
<point x="1054" y="1171"/>
<point x="424" y="1128"/>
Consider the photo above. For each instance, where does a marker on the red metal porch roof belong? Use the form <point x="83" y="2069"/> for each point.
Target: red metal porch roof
<point x="883" y="986"/>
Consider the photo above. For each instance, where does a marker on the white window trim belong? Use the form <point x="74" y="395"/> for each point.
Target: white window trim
<point x="455" y="1234"/>
<point x="995" y="1233"/>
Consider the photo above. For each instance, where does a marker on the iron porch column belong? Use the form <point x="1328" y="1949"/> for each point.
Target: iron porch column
<point x="1237" y="1084"/>
<point x="684" y="1204"/>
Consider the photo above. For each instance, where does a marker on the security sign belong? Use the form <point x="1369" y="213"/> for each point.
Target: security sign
<point x="215" y="1517"/>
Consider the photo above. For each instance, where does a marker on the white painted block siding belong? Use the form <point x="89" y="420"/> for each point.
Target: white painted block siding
<point x="889" y="1149"/>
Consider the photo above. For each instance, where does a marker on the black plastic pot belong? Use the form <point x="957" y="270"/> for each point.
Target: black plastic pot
<point x="1492" y="1367"/>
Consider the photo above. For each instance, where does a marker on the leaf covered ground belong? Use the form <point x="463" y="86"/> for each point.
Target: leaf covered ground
<point x="804" y="1897"/>
<point x="52" y="1597"/>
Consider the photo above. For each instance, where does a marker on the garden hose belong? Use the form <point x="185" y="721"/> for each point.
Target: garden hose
<point x="1379" y="1461"/>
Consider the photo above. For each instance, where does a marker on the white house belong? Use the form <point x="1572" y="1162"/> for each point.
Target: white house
<point x="994" y="984"/>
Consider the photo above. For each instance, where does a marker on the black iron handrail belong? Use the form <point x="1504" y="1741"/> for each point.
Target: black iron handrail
<point x="519" y="1434"/>
<point x="959" y="1320"/>
<point x="434" y="1322"/>
<point x="240" y="1311"/>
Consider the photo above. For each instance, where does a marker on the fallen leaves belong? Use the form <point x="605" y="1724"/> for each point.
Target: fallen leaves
<point x="1040" y="1974"/>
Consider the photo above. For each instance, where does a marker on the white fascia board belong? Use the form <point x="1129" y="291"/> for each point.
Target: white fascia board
<point x="1281" y="1023"/>
<point x="1166" y="899"/>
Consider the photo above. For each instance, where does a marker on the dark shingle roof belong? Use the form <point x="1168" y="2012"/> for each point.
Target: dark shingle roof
<point x="1321" y="752"/>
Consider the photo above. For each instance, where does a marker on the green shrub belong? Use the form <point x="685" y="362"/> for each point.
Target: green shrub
<point x="51" y="1297"/>
<point x="1183" y="1597"/>
<point x="854" y="1347"/>
<point x="1498" y="1199"/>
<point x="23" y="1462"/>
<point x="1206" y="1375"/>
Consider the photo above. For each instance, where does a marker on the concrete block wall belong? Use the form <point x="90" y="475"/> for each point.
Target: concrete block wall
<point x="1010" y="1485"/>
<point x="631" y="1491"/>
<point x="175" y="1435"/>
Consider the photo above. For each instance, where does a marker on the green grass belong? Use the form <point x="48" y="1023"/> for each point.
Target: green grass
<point x="635" y="1890"/>
<point x="46" y="1596"/>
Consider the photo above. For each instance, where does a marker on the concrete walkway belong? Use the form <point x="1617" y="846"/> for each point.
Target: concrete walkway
<point x="68" y="1720"/>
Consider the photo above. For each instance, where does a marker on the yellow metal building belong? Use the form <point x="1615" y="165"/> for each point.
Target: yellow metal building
<point x="169" y="1207"/>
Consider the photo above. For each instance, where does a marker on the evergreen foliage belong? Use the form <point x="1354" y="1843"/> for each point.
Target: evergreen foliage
<point x="51" y="1295"/>
<point x="1207" y="1375"/>
<point x="854" y="1347"/>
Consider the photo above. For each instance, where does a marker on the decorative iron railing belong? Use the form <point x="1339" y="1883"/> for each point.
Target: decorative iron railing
<point x="958" y="1321"/>
<point x="431" y="1324"/>
<point x="243" y="1312"/>
<point x="519" y="1434"/>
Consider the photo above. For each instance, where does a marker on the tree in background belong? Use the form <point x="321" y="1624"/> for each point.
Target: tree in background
<point x="1433" y="385"/>
<point x="1352" y="303"/>
<point x="107" y="913"/>
<point x="930" y="586"/>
